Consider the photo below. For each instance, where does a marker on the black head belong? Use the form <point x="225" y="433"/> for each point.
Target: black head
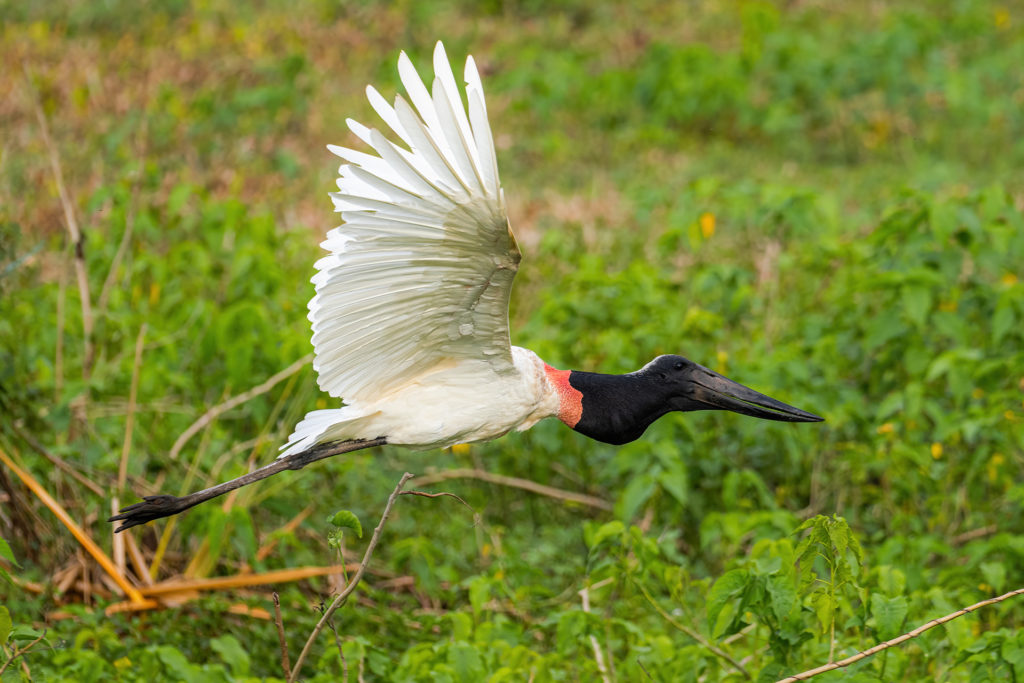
<point x="618" y="409"/>
<point x="689" y="386"/>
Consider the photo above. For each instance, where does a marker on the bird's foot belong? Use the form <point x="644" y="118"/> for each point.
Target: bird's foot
<point x="151" y="507"/>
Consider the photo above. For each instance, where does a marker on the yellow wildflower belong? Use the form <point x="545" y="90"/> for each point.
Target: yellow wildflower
<point x="707" y="224"/>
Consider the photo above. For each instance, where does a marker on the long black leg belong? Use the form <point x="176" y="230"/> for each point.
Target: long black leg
<point x="155" y="507"/>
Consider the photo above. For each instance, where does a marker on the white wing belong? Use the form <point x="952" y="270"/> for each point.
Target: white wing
<point x="421" y="271"/>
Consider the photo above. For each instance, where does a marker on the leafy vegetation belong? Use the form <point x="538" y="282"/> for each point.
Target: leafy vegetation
<point x="821" y="200"/>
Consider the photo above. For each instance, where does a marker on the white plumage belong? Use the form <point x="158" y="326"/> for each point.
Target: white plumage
<point x="410" y="315"/>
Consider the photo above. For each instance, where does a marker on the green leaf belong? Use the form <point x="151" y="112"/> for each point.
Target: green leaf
<point x="177" y="664"/>
<point x="462" y="625"/>
<point x="345" y="519"/>
<point x="958" y="630"/>
<point x="569" y="632"/>
<point x="888" y="613"/>
<point x="605" y="531"/>
<point x="636" y="493"/>
<point x="995" y="575"/>
<point x="766" y="566"/>
<point x="5" y="624"/>
<point x="728" y="586"/>
<point x="782" y="595"/>
<point x="673" y="480"/>
<point x="1002" y="321"/>
<point x="917" y="302"/>
<point x="479" y="593"/>
<point x="466" y="662"/>
<point x="838" y="535"/>
<point x="891" y="581"/>
<point x="1013" y="652"/>
<point x="232" y="654"/>
<point x="6" y="553"/>
<point x="825" y="608"/>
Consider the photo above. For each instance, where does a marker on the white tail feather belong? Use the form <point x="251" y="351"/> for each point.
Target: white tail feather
<point x="324" y="426"/>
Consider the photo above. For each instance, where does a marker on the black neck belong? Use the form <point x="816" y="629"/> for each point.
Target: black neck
<point x="618" y="409"/>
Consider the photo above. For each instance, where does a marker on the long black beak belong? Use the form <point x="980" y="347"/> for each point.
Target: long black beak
<point x="720" y="392"/>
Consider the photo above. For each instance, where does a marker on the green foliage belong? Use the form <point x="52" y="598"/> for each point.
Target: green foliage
<point x="7" y="554"/>
<point x="819" y="201"/>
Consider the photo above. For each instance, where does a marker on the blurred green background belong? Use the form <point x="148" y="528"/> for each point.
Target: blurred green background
<point x="821" y="199"/>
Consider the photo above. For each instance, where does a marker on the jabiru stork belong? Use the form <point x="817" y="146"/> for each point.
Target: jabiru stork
<point x="410" y="314"/>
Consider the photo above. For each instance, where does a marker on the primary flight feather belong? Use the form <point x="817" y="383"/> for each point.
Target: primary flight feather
<point x="410" y="314"/>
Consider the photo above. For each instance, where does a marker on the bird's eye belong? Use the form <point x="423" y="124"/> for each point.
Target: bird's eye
<point x="680" y="365"/>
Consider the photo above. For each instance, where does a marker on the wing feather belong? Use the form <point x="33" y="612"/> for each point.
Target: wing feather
<point x="386" y="112"/>
<point x="420" y="273"/>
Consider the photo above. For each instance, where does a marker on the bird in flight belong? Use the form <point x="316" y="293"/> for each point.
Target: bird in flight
<point x="410" y="314"/>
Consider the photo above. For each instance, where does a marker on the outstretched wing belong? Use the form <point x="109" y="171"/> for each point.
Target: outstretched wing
<point x="421" y="271"/>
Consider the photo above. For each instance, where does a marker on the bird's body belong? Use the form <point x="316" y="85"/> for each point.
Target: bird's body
<point x="453" y="402"/>
<point x="410" y="314"/>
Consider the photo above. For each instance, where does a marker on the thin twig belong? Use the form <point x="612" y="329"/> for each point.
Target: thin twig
<point x="598" y="657"/>
<point x="235" y="401"/>
<point x="280" y="637"/>
<point x="139" y="563"/>
<point x="133" y="392"/>
<point x="58" y="353"/>
<point x="693" y="634"/>
<point x="70" y="221"/>
<point x="117" y="542"/>
<point x="19" y="651"/>
<point x="515" y="482"/>
<point x="899" y="639"/>
<point x="117" y="550"/>
<point x="356" y="578"/>
<point x="438" y="495"/>
<point x="341" y="653"/>
<point x="973" y="534"/>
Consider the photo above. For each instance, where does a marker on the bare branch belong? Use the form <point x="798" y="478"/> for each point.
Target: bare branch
<point x="514" y="482"/>
<point x="899" y="639"/>
<point x="356" y="578"/>
<point x="973" y="534"/>
<point x="280" y="637"/>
